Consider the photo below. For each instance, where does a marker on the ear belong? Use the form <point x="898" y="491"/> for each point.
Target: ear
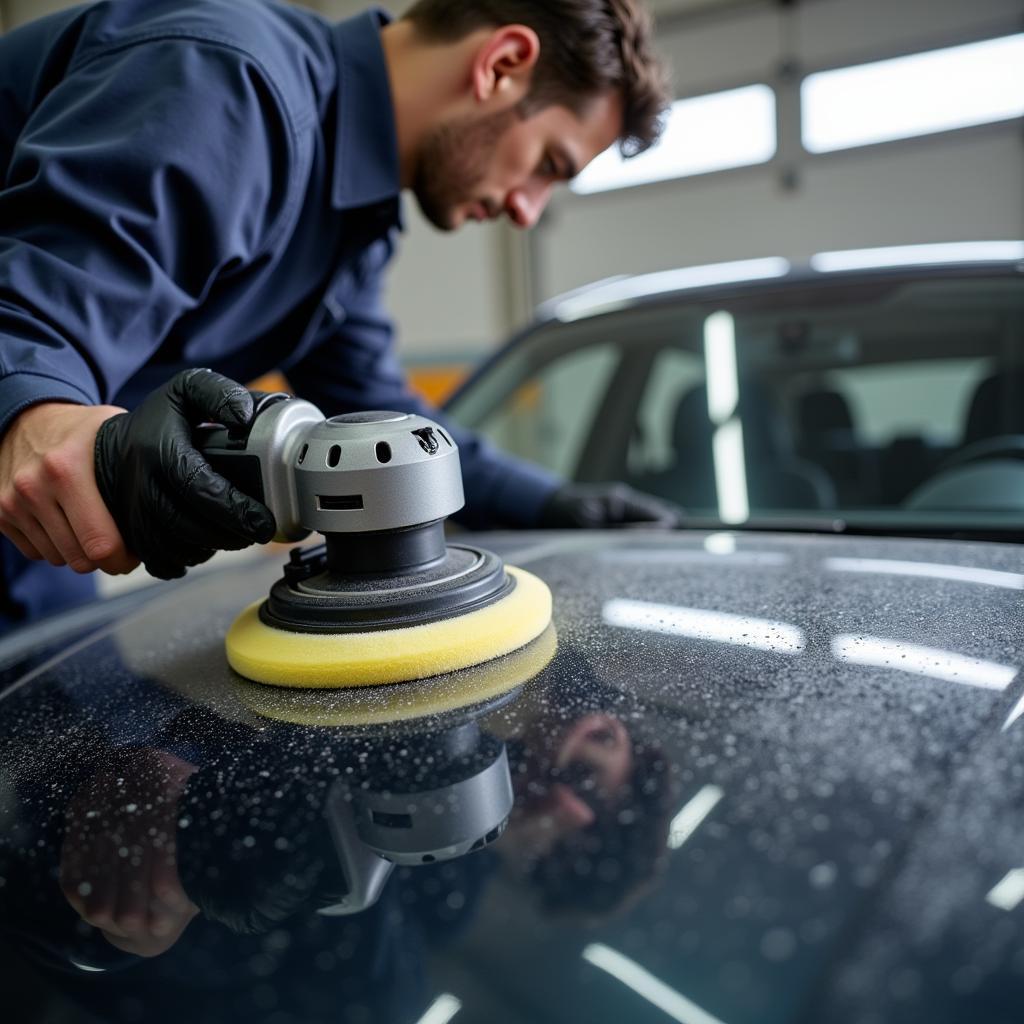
<point x="503" y="65"/>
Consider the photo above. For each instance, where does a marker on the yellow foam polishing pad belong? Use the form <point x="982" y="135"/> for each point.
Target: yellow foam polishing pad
<point x="385" y="705"/>
<point x="282" y="658"/>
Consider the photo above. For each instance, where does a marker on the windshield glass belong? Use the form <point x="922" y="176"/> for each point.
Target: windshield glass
<point x="884" y="401"/>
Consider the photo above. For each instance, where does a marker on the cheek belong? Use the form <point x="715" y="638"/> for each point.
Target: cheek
<point x="514" y="158"/>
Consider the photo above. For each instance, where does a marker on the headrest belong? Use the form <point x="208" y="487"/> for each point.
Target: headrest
<point x="997" y="407"/>
<point x="823" y="411"/>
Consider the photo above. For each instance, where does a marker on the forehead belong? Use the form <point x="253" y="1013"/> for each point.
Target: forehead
<point x="588" y="133"/>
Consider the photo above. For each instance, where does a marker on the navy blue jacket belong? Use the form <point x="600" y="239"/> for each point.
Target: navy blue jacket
<point x="205" y="183"/>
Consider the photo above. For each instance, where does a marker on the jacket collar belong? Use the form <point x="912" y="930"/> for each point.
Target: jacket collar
<point x="366" y="166"/>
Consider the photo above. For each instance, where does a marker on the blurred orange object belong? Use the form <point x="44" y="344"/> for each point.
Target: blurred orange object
<point x="434" y="383"/>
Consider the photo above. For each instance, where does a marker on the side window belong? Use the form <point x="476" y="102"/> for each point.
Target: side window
<point x="674" y="373"/>
<point x="548" y="418"/>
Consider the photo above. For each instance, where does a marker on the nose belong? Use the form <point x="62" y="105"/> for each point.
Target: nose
<point x="525" y="205"/>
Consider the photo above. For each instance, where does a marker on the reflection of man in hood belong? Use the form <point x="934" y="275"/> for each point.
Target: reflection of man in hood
<point x="593" y="803"/>
<point x="241" y="841"/>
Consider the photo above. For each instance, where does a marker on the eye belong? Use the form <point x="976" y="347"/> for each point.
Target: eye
<point x="547" y="167"/>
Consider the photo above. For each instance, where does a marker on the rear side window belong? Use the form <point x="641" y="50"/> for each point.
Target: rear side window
<point x="549" y="417"/>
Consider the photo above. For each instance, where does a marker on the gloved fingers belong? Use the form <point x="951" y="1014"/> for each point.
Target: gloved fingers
<point x="643" y="508"/>
<point x="210" y="495"/>
<point x="182" y="540"/>
<point x="205" y="396"/>
<point x="190" y="528"/>
<point x="259" y="398"/>
<point x="172" y="566"/>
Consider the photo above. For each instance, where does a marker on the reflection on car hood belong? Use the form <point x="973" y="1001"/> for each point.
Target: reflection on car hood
<point x="762" y="778"/>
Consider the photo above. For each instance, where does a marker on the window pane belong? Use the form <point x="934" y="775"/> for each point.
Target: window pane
<point x="548" y="418"/>
<point x="927" y="92"/>
<point x="707" y="133"/>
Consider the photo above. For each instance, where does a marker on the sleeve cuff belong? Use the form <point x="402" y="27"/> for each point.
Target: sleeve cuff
<point x="18" y="391"/>
<point x="510" y="493"/>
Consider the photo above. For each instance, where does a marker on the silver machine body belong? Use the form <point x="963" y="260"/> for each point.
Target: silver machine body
<point x="358" y="473"/>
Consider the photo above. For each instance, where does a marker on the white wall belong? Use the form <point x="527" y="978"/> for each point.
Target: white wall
<point x="955" y="186"/>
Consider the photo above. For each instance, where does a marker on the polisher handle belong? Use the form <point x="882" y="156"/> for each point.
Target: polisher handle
<point x="257" y="457"/>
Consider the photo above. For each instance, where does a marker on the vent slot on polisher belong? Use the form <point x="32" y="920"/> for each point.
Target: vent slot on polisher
<point x="339" y="502"/>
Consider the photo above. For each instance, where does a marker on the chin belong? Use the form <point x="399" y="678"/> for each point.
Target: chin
<point x="444" y="218"/>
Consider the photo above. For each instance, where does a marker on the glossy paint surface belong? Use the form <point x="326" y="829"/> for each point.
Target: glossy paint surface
<point x="756" y="778"/>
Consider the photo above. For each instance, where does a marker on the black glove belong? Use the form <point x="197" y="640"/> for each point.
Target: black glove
<point x="599" y="506"/>
<point x="172" y="509"/>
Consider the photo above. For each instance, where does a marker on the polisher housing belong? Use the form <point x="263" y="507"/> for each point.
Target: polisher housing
<point x="376" y="602"/>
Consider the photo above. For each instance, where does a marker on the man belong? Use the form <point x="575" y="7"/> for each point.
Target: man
<point x="215" y="183"/>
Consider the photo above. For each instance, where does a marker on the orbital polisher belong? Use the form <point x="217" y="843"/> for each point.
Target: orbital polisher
<point x="385" y="598"/>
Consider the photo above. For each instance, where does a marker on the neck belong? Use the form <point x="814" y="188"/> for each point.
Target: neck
<point x="428" y="82"/>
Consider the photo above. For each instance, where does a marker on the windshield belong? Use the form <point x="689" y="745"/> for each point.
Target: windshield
<point x="888" y="402"/>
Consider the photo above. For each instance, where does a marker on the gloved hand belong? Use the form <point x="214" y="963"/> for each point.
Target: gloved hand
<point x="599" y="506"/>
<point x="172" y="509"/>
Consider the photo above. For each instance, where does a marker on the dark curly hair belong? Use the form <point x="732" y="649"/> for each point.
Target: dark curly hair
<point x="587" y="48"/>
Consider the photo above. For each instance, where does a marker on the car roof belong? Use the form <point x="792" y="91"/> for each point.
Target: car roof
<point x="768" y="273"/>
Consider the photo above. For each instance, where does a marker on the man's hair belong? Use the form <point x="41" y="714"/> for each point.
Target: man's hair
<point x="587" y="48"/>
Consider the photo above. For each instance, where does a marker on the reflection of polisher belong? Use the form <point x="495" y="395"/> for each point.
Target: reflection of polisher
<point x="384" y="599"/>
<point x="396" y="818"/>
<point x="264" y="841"/>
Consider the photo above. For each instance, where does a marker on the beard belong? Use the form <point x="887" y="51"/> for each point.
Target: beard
<point x="453" y="162"/>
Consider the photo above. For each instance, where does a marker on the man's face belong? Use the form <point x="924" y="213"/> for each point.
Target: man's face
<point x="479" y="168"/>
<point x="589" y="766"/>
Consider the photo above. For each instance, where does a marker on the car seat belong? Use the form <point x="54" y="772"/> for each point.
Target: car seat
<point x="776" y="477"/>
<point x="997" y="407"/>
<point x="828" y="438"/>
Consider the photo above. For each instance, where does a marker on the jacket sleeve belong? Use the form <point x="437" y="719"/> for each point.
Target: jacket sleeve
<point x="353" y="366"/>
<point x="145" y="174"/>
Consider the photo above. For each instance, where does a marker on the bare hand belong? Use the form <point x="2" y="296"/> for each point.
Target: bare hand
<point x="119" y="868"/>
<point x="50" y="507"/>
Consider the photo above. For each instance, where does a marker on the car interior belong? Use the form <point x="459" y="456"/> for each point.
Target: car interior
<point x="848" y="397"/>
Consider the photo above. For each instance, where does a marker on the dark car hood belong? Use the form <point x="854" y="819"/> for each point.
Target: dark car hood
<point x="828" y="729"/>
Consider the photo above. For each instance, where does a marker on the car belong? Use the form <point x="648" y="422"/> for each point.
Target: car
<point x="761" y="769"/>
<point x="888" y="397"/>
